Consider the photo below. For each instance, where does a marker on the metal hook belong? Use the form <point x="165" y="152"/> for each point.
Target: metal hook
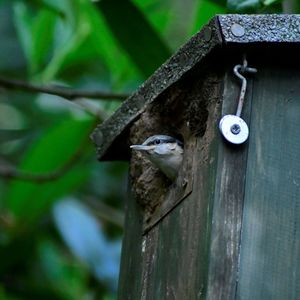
<point x="233" y="127"/>
<point x="237" y="69"/>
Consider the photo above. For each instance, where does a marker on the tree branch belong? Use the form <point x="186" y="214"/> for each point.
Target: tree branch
<point x="9" y="172"/>
<point x="106" y="212"/>
<point x="63" y="92"/>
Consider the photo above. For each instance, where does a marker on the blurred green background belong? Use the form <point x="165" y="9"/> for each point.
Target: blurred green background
<point x="61" y="215"/>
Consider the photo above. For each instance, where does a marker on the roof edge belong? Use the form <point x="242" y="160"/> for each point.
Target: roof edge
<point x="280" y="28"/>
<point x="222" y="29"/>
<point x="190" y="54"/>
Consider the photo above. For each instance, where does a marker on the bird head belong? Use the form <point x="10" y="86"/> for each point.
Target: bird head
<point x="163" y="151"/>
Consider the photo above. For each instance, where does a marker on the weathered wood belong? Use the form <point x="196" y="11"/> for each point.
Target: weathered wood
<point x="228" y="203"/>
<point x="232" y="232"/>
<point x="130" y="277"/>
<point x="111" y="136"/>
<point x="188" y="101"/>
<point x="176" y="250"/>
<point x="260" y="28"/>
<point x="270" y="248"/>
<point x="179" y="241"/>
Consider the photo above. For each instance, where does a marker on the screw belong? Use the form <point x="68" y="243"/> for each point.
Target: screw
<point x="235" y="129"/>
<point x="237" y="30"/>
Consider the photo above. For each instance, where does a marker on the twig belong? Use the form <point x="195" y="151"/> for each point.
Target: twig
<point x="106" y="212"/>
<point x="9" y="172"/>
<point x="92" y="109"/>
<point x="63" y="92"/>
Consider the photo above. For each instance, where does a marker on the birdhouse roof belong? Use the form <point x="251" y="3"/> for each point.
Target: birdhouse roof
<point x="110" y="137"/>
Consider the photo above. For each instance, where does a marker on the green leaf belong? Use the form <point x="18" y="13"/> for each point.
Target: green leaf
<point x="11" y="117"/>
<point x="47" y="5"/>
<point x="172" y="19"/>
<point x="269" y="2"/>
<point x="22" y="22"/>
<point x="11" y="55"/>
<point x="70" y="52"/>
<point x="243" y="5"/>
<point x="35" y="33"/>
<point x="42" y="37"/>
<point x="82" y="39"/>
<point x="64" y="274"/>
<point x="28" y="200"/>
<point x="135" y="34"/>
<point x="159" y="13"/>
<point x="222" y="3"/>
<point x="204" y="12"/>
<point x="118" y="65"/>
<point x="272" y="6"/>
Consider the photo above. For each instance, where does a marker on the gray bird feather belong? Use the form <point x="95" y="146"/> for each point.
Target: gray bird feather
<point x="163" y="151"/>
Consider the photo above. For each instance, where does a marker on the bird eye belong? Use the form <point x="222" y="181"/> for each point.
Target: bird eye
<point x="157" y="142"/>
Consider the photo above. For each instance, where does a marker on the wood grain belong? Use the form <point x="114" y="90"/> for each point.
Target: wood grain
<point x="228" y="202"/>
<point x="236" y="235"/>
<point x="270" y="249"/>
<point x="171" y="260"/>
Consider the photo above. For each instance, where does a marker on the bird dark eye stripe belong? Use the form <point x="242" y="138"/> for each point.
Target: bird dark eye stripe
<point x="165" y="152"/>
<point x="166" y="141"/>
<point x="180" y="143"/>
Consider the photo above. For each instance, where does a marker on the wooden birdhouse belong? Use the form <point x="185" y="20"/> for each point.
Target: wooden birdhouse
<point x="228" y="227"/>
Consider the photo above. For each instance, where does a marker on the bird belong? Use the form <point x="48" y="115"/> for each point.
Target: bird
<point x="164" y="151"/>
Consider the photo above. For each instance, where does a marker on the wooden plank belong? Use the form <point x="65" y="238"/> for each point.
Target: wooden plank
<point x="270" y="248"/>
<point x="171" y="260"/>
<point x="131" y="259"/>
<point x="175" y="255"/>
<point x="228" y="202"/>
<point x="178" y="257"/>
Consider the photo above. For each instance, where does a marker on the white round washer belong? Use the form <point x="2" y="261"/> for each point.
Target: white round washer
<point x="234" y="129"/>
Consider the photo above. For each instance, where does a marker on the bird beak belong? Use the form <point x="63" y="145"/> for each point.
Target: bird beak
<point x="141" y="147"/>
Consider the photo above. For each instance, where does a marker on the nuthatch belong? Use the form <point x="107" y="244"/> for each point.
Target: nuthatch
<point x="163" y="151"/>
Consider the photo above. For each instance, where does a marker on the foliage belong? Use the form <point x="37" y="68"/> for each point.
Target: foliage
<point x="54" y="243"/>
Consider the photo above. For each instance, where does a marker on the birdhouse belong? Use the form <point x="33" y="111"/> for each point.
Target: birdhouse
<point x="228" y="225"/>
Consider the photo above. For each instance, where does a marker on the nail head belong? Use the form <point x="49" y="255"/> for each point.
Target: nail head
<point x="237" y="30"/>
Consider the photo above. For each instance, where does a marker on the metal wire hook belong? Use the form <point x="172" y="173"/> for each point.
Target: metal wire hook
<point x="237" y="69"/>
